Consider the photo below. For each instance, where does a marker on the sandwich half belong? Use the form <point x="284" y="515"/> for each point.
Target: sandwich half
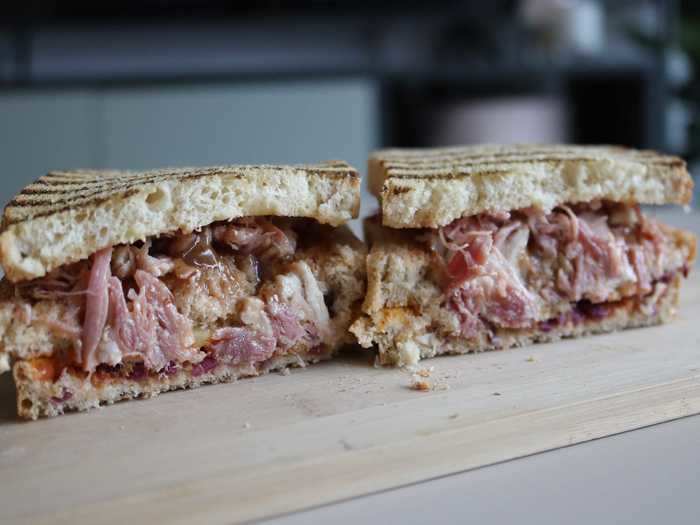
<point x="488" y="247"/>
<point x="125" y="284"/>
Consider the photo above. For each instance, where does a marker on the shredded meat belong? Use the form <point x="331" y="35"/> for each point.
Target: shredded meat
<point x="258" y="237"/>
<point x="508" y="270"/>
<point x="286" y="327"/>
<point x="295" y="300"/>
<point x="133" y="306"/>
<point x="173" y="331"/>
<point x="152" y="329"/>
<point x="64" y="282"/>
<point x="496" y="295"/>
<point x="239" y="345"/>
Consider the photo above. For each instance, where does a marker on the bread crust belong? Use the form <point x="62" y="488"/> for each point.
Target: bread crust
<point x="67" y="215"/>
<point x="428" y="188"/>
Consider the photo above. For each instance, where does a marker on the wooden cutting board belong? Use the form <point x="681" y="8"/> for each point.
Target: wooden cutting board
<point x="276" y="444"/>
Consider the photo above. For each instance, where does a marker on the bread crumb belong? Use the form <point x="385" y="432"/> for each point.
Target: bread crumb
<point x="247" y="426"/>
<point x="496" y="394"/>
<point x="420" y="385"/>
<point x="530" y="359"/>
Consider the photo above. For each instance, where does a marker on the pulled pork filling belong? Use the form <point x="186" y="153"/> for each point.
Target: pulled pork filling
<point x="515" y="270"/>
<point x="228" y="293"/>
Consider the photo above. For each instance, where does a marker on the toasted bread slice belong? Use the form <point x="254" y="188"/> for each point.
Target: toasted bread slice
<point x="65" y="216"/>
<point x="428" y="188"/>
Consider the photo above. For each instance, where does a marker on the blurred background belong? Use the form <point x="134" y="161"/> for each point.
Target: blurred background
<point x="147" y="83"/>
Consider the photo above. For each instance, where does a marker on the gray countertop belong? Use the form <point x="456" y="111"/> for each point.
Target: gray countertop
<point x="646" y="476"/>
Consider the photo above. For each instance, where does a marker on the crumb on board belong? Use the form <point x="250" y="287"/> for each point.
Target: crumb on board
<point x="530" y="359"/>
<point x="420" y="382"/>
<point x="421" y="385"/>
<point x="496" y="394"/>
<point x="247" y="425"/>
<point x="419" y="379"/>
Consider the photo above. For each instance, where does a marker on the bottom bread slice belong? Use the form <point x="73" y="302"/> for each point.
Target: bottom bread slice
<point x="72" y="391"/>
<point x="402" y="348"/>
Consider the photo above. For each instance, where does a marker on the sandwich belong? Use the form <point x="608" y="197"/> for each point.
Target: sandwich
<point x="122" y="285"/>
<point x="489" y="247"/>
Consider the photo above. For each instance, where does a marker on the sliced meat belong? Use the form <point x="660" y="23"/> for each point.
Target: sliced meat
<point x="242" y="346"/>
<point x="96" y="307"/>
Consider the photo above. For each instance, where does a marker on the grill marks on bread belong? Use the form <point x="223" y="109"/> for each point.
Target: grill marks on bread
<point x="62" y="190"/>
<point x="429" y="188"/>
<point x="449" y="162"/>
